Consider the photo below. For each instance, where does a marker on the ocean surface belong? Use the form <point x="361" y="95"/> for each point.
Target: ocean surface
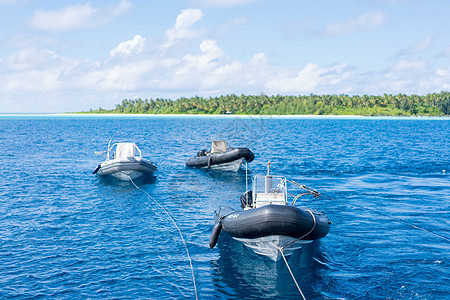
<point x="67" y="234"/>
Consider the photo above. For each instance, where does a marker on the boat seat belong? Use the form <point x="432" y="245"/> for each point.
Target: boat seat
<point x="218" y="147"/>
<point x="270" y="198"/>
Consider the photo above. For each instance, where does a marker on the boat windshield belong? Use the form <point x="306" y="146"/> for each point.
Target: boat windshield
<point x="269" y="190"/>
<point x="269" y="184"/>
<point x="123" y="150"/>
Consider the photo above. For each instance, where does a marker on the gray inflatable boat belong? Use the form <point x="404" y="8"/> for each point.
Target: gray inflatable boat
<point x="267" y="222"/>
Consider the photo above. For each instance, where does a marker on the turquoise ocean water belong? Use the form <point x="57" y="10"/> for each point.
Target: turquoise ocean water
<point x="65" y="233"/>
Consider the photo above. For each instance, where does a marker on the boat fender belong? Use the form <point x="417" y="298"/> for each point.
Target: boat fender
<point x="209" y="161"/>
<point x="96" y="169"/>
<point x="215" y="234"/>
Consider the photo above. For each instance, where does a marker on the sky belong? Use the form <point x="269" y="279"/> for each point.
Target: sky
<point x="76" y="55"/>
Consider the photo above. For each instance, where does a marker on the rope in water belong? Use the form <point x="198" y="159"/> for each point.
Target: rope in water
<point x="306" y="234"/>
<point x="393" y="218"/>
<point x="293" y="277"/>
<point x="381" y="214"/>
<point x="281" y="249"/>
<point x="179" y="231"/>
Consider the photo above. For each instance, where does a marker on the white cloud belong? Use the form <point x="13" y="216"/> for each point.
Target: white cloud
<point x="10" y="2"/>
<point x="69" y="18"/>
<point x="30" y="58"/>
<point x="121" y="77"/>
<point x="442" y="72"/>
<point x="407" y="65"/>
<point x="208" y="71"/>
<point x="135" y="45"/>
<point x="75" y="17"/>
<point x="182" y="28"/>
<point x="259" y="58"/>
<point x="21" y="41"/>
<point x="118" y="9"/>
<point x="205" y="62"/>
<point x="418" y="46"/>
<point x="363" y="22"/>
<point x="444" y="53"/>
<point x="312" y="79"/>
<point x="221" y="3"/>
<point x="35" y="70"/>
<point x="230" y="25"/>
<point x="58" y="83"/>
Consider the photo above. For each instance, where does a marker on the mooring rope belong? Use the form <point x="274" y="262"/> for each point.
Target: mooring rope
<point x="373" y="211"/>
<point x="293" y="277"/>
<point x="393" y="218"/>
<point x="179" y="231"/>
<point x="281" y="249"/>
<point x="306" y="234"/>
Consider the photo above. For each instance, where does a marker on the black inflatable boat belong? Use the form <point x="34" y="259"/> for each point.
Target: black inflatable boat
<point x="268" y="222"/>
<point x="221" y="157"/>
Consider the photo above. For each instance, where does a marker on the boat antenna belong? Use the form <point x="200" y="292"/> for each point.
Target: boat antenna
<point x="246" y="176"/>
<point x="268" y="168"/>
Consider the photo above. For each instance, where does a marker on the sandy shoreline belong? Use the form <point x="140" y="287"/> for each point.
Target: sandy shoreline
<point x="216" y="116"/>
<point x="87" y="115"/>
<point x="253" y="116"/>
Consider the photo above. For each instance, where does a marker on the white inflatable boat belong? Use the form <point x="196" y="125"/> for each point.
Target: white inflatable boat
<point x="124" y="161"/>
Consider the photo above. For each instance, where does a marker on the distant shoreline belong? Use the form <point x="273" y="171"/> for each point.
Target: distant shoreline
<point x="435" y="104"/>
<point x="121" y="115"/>
<point x="251" y="116"/>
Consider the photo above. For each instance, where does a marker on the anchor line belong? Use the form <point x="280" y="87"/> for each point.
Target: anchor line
<point x="311" y="230"/>
<point x="179" y="231"/>
<point x="293" y="277"/>
<point x="309" y="190"/>
<point x="378" y="213"/>
<point x="281" y="249"/>
<point x="393" y="218"/>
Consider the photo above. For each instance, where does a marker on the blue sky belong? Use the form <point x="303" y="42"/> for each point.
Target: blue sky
<point x="63" y="56"/>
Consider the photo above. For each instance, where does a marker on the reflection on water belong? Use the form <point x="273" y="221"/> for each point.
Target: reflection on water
<point x="113" y="181"/>
<point x="252" y="276"/>
<point x="66" y="233"/>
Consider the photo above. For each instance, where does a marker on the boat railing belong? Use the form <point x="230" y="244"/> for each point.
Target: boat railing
<point x="269" y="189"/>
<point x="272" y="189"/>
<point x="111" y="153"/>
<point x="305" y="191"/>
<point x="139" y="150"/>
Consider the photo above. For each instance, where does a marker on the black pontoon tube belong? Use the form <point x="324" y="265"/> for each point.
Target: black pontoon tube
<point x="271" y="220"/>
<point x="220" y="158"/>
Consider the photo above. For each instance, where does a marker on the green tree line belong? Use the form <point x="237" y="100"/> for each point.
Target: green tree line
<point x="436" y="104"/>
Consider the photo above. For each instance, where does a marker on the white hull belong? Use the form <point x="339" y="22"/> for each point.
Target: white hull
<point x="126" y="168"/>
<point x="269" y="245"/>
<point x="230" y="166"/>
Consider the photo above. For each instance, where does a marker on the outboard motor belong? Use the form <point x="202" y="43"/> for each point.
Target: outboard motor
<point x="247" y="199"/>
<point x="201" y="153"/>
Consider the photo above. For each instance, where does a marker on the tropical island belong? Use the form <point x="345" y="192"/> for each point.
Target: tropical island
<point x="436" y="104"/>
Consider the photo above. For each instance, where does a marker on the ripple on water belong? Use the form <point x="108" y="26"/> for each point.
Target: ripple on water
<point x="64" y="233"/>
